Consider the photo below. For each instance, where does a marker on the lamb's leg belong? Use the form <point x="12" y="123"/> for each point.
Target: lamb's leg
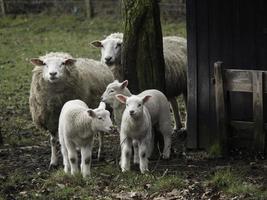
<point x="54" y="159"/>
<point x="175" y="109"/>
<point x="143" y="156"/>
<point x="86" y="158"/>
<point x="73" y="157"/>
<point x="126" y="154"/>
<point x="65" y="158"/>
<point x="136" y="152"/>
<point x="166" y="131"/>
<point x="100" y="145"/>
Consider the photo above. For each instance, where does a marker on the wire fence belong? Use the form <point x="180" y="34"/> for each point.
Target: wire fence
<point x="170" y="9"/>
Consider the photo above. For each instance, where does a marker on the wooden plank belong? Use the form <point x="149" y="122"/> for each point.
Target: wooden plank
<point x="2" y="5"/>
<point x="259" y="134"/>
<point x="221" y="113"/>
<point x="89" y="9"/>
<point x="203" y="77"/>
<point x="241" y="80"/>
<point x="192" y="107"/>
<point x="245" y="125"/>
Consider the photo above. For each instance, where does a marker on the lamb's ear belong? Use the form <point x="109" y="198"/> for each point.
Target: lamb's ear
<point x="124" y="84"/>
<point x="69" y="62"/>
<point x="96" y="43"/>
<point x="121" y="98"/>
<point x="91" y="113"/>
<point x="37" y="62"/>
<point x="146" y="98"/>
<point x="102" y="105"/>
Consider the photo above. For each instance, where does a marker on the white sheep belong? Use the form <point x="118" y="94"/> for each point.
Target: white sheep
<point x="175" y="56"/>
<point x="158" y="107"/>
<point x="58" y="78"/>
<point x="136" y="129"/>
<point x="76" y="129"/>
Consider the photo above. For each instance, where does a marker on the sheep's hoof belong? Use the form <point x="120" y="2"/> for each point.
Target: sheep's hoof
<point x="52" y="166"/>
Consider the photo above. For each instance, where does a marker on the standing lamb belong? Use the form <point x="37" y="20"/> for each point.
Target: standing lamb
<point x="76" y="129"/>
<point x="136" y="128"/>
<point x="58" y="78"/>
<point x="158" y="107"/>
<point x="175" y="56"/>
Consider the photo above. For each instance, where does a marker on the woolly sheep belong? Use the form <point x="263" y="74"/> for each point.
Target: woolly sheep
<point x="158" y="107"/>
<point x="58" y="78"/>
<point x="76" y="129"/>
<point x="175" y="56"/>
<point x="136" y="129"/>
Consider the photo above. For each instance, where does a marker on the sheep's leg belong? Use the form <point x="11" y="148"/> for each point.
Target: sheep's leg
<point x="143" y="156"/>
<point x="86" y="158"/>
<point x="73" y="157"/>
<point x="185" y="101"/>
<point x="54" y="159"/>
<point x="136" y="152"/>
<point x="100" y="145"/>
<point x="65" y="158"/>
<point x="126" y="154"/>
<point x="175" y="109"/>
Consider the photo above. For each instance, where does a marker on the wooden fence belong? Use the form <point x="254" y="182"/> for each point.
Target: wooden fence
<point x="170" y="9"/>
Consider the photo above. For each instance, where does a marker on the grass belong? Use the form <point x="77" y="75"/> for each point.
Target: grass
<point x="233" y="183"/>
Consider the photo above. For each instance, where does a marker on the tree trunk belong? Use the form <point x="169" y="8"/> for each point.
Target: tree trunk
<point x="2" y="5"/>
<point x="142" y="57"/>
<point x="89" y="9"/>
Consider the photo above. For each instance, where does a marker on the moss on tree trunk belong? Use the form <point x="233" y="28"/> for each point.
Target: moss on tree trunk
<point x="142" y="58"/>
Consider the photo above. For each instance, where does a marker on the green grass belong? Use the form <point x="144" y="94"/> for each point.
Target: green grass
<point x="24" y="37"/>
<point x="233" y="183"/>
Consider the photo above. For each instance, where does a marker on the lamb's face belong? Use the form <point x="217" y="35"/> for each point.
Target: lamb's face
<point x="134" y="104"/>
<point x="53" y="68"/>
<point x="101" y="120"/>
<point x="114" y="88"/>
<point x="110" y="50"/>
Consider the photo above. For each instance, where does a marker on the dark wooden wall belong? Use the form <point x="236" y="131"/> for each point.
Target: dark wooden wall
<point x="232" y="31"/>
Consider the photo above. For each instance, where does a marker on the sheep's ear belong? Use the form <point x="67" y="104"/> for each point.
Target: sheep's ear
<point x="146" y="98"/>
<point x="121" y="98"/>
<point x="69" y="62"/>
<point x="102" y="105"/>
<point x="91" y="113"/>
<point x="37" y="62"/>
<point x="97" y="44"/>
<point x="124" y="84"/>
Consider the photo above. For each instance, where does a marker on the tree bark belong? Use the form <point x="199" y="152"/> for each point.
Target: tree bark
<point x="142" y="57"/>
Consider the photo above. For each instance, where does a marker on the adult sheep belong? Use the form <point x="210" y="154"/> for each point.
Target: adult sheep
<point x="175" y="56"/>
<point x="58" y="78"/>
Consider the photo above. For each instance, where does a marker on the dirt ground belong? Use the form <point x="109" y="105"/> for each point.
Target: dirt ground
<point x="195" y="167"/>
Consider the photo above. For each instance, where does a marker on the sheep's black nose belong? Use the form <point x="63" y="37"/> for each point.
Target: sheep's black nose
<point x="131" y="112"/>
<point x="53" y="73"/>
<point x="108" y="58"/>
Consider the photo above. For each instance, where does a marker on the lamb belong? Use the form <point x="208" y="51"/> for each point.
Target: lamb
<point x="58" y="78"/>
<point x="175" y="56"/>
<point x="158" y="107"/>
<point x="136" y="129"/>
<point x="76" y="129"/>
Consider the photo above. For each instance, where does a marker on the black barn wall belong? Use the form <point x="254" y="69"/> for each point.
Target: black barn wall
<point x="234" y="32"/>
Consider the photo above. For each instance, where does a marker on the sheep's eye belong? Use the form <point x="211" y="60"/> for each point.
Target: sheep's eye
<point x="139" y="105"/>
<point x="111" y="91"/>
<point x="118" y="45"/>
<point x="100" y="118"/>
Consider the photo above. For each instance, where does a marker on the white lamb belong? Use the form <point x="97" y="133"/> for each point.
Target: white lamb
<point x="136" y="129"/>
<point x="175" y="56"/>
<point x="77" y="126"/>
<point x="58" y="78"/>
<point x="158" y="107"/>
